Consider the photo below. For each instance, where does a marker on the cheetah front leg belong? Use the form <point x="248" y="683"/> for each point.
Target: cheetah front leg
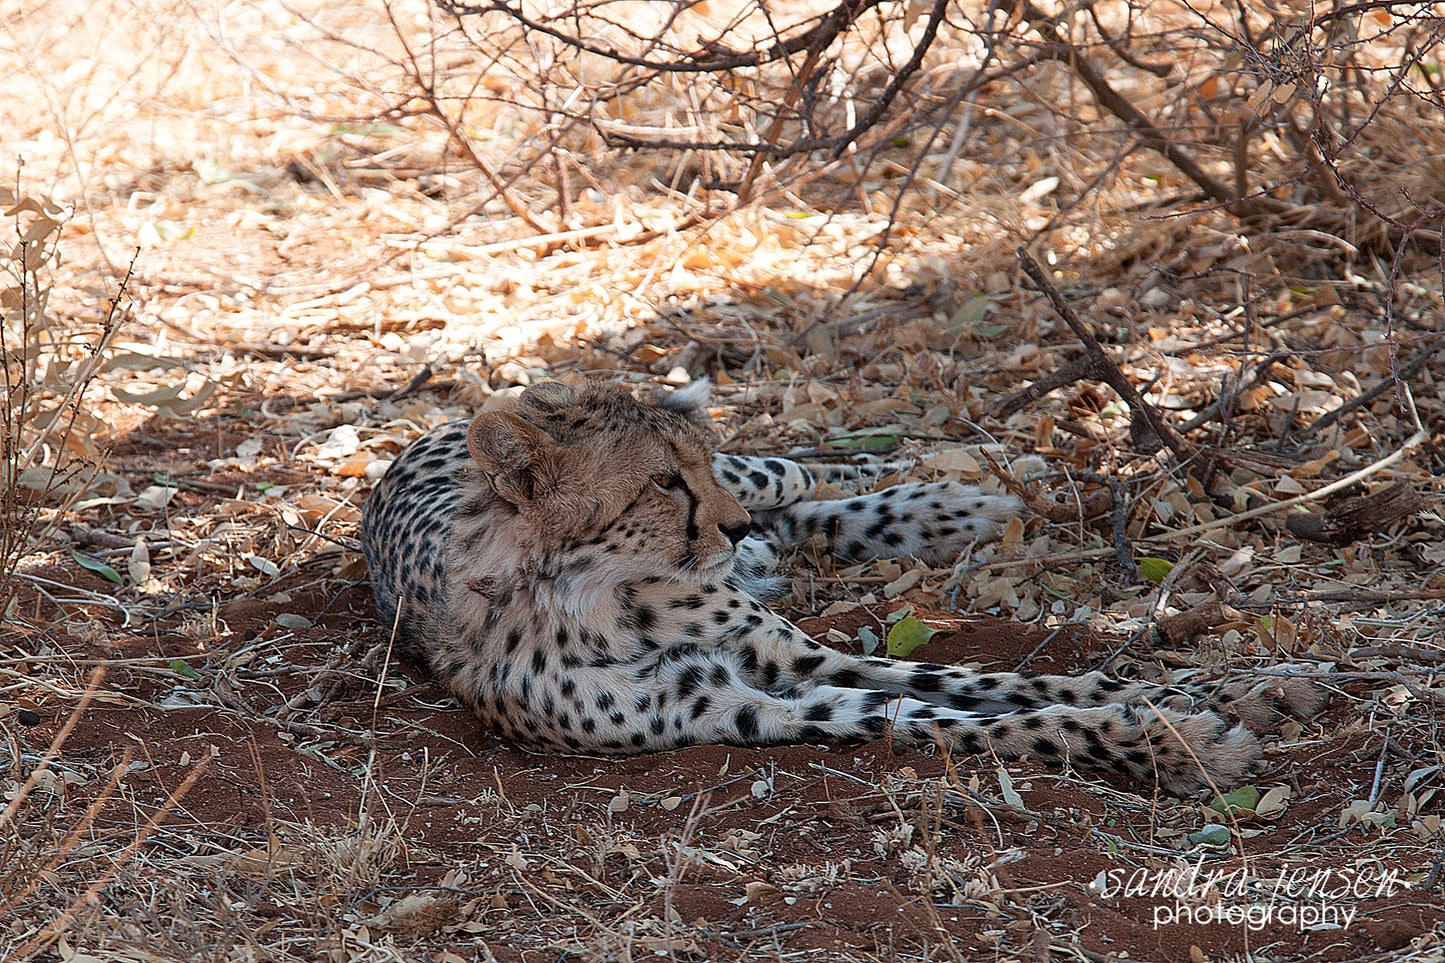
<point x="931" y="521"/>
<point x="755" y="568"/>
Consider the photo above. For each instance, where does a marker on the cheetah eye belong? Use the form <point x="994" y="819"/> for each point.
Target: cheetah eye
<point x="667" y="481"/>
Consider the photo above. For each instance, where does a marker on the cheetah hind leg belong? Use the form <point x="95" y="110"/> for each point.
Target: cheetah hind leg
<point x="1262" y="703"/>
<point x="1182" y="751"/>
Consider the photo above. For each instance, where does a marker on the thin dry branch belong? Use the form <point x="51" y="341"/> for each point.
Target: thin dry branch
<point x="76" y="834"/>
<point x="63" y="923"/>
<point x="426" y="90"/>
<point x="1407" y="371"/>
<point x="92" y="684"/>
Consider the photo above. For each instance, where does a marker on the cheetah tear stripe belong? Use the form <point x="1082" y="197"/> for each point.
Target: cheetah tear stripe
<point x="581" y="571"/>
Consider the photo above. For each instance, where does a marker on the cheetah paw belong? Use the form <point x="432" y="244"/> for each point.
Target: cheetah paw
<point x="1264" y="704"/>
<point x="1190" y="751"/>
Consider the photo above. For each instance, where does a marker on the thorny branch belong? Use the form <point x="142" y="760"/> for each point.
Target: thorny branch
<point x="829" y="26"/>
<point x="714" y="58"/>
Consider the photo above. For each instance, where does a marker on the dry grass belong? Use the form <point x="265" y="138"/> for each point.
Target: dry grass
<point x="321" y="203"/>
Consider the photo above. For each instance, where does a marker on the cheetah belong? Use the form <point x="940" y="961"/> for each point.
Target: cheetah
<point x="582" y="572"/>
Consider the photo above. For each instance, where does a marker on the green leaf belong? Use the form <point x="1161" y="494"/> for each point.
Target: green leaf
<point x="263" y="486"/>
<point x="1155" y="569"/>
<point x="170" y="230"/>
<point x="1243" y="799"/>
<point x="97" y="566"/>
<point x="908" y="635"/>
<point x="366" y="129"/>
<point x="1213" y="835"/>
<point x="179" y="667"/>
<point x="970" y="315"/>
<point x="212" y="170"/>
<point x="867" y="439"/>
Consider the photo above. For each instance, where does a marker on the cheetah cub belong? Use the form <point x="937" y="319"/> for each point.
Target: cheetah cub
<point x="581" y="571"/>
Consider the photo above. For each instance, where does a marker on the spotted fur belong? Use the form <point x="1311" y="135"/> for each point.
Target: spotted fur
<point x="581" y="571"/>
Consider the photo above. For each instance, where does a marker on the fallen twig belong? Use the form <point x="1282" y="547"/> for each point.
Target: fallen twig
<point x="1404" y="653"/>
<point x="1073" y="370"/>
<point x="1407" y="371"/>
<point x="1199" y="620"/>
<point x="1414" y="440"/>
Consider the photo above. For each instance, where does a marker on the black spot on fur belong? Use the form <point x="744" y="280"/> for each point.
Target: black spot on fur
<point x="805" y="665"/>
<point x="689" y="680"/>
<point x="925" y="681"/>
<point x="819" y="712"/>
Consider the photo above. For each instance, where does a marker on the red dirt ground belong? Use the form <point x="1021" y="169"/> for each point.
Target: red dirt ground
<point x="793" y="850"/>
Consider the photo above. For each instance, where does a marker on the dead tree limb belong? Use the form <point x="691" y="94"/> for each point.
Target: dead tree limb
<point x="1146" y="428"/>
<point x="1407" y="371"/>
<point x="718" y="58"/>
<point x="1356" y="518"/>
<point x="1204" y="619"/>
<point x="1098" y="503"/>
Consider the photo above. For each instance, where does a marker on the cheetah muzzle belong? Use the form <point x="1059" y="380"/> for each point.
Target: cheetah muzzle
<point x="582" y="572"/>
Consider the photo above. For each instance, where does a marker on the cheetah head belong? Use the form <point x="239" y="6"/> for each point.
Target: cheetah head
<point x="602" y="482"/>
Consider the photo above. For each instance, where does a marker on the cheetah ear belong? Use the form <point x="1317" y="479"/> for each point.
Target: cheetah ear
<point x="548" y="396"/>
<point x="691" y="402"/>
<point x="516" y="457"/>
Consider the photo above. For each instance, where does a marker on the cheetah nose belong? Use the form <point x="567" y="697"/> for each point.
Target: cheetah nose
<point x="736" y="532"/>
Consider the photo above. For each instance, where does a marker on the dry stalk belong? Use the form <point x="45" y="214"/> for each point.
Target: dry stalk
<point x="30" y="429"/>
<point x="63" y="923"/>
<point x="677" y="865"/>
<point x="92" y="683"/>
<point x="930" y="929"/>
<point x="1104" y="368"/>
<point x="117" y="773"/>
